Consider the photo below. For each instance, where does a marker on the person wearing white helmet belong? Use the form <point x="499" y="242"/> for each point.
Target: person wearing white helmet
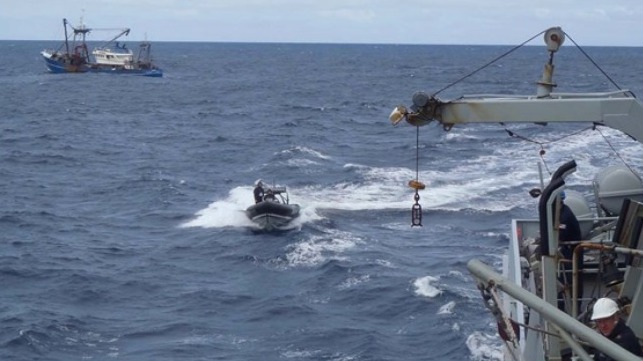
<point x="258" y="191"/>
<point x="608" y="322"/>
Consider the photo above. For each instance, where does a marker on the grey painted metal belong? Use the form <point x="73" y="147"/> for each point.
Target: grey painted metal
<point x="624" y="250"/>
<point x="633" y="280"/>
<point x="513" y="271"/>
<point x="618" y="110"/>
<point x="485" y="274"/>
<point x="578" y="349"/>
<point x="550" y="295"/>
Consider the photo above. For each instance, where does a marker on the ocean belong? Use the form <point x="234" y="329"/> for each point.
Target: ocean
<point x="123" y="233"/>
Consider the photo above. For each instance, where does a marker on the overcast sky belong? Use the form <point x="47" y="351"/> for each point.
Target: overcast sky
<point x="589" y="22"/>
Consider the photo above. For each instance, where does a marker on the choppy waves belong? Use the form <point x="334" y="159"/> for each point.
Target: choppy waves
<point x="123" y="206"/>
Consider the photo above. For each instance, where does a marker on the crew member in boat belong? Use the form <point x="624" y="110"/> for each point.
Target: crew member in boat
<point x="270" y="196"/>
<point x="258" y="191"/>
<point x="606" y="316"/>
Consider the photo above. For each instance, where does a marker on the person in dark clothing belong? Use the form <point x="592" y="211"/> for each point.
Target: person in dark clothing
<point x="609" y="324"/>
<point x="258" y="191"/>
<point x="568" y="231"/>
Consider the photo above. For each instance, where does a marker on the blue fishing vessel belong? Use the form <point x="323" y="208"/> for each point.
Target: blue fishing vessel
<point x="74" y="56"/>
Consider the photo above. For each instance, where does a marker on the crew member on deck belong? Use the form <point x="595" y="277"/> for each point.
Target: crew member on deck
<point x="568" y="231"/>
<point x="569" y="228"/>
<point x="610" y="325"/>
<point x="258" y="191"/>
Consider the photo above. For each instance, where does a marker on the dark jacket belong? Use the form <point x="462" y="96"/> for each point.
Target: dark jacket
<point x="624" y="337"/>
<point x="258" y="192"/>
<point x="569" y="231"/>
<point x="569" y="226"/>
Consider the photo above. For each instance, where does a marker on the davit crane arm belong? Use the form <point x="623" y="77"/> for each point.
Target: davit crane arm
<point x="620" y="110"/>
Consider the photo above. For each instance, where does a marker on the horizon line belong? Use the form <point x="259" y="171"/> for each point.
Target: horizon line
<point x="319" y="43"/>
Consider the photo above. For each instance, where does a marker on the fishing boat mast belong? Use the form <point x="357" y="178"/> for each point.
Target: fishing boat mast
<point x="66" y="36"/>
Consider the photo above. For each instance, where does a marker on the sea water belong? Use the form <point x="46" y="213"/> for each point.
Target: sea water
<point x="123" y="234"/>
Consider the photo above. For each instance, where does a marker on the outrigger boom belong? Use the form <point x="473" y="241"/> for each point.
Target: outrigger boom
<point x="618" y="109"/>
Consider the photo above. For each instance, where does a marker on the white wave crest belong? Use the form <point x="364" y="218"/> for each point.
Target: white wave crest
<point x="319" y="249"/>
<point x="424" y="287"/>
<point x="484" y="347"/>
<point x="305" y="150"/>
<point x="446" y="308"/>
<point x="351" y="282"/>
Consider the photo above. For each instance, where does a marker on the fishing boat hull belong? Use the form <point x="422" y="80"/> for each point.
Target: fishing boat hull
<point x="76" y="57"/>
<point x="58" y="64"/>
<point x="272" y="216"/>
<point x="61" y="65"/>
<point x="154" y="73"/>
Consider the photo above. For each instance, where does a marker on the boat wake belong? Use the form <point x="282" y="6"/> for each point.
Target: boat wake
<point x="231" y="212"/>
<point x="383" y="189"/>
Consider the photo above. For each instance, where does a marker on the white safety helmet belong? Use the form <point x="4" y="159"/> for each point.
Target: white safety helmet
<point x="258" y="183"/>
<point x="603" y="308"/>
